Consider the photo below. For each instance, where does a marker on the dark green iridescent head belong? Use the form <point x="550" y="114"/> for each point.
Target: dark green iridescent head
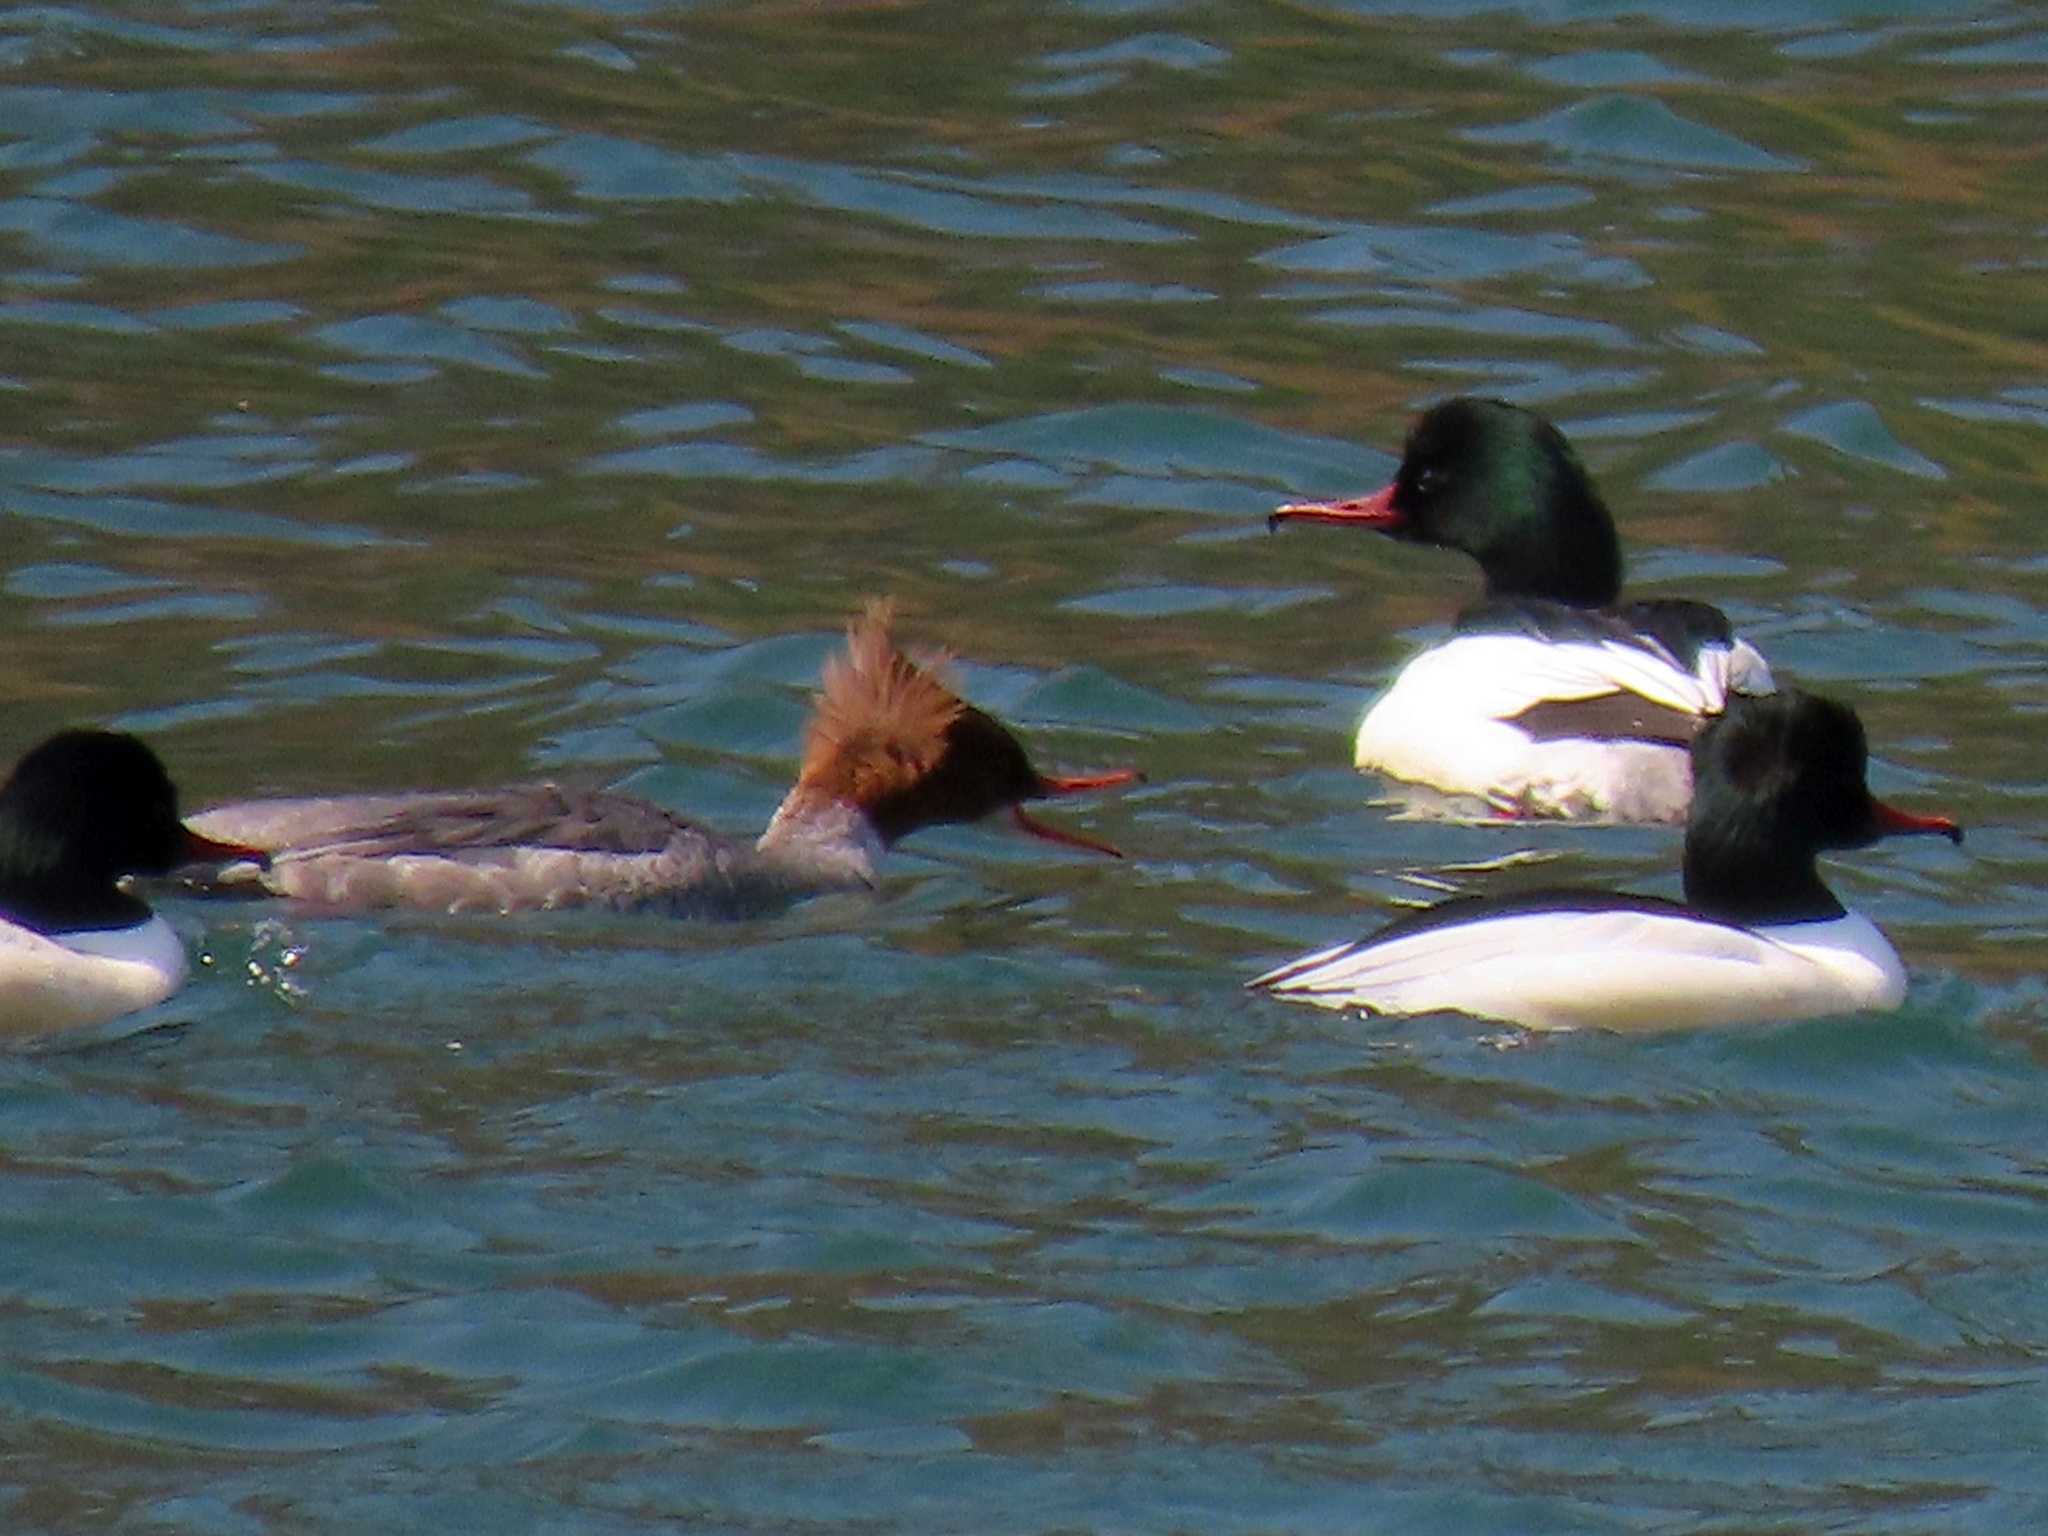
<point x="94" y="803"/>
<point x="1502" y="484"/>
<point x="79" y="812"/>
<point x="1777" y="779"/>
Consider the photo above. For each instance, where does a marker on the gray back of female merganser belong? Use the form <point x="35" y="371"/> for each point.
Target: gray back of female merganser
<point x="890" y="748"/>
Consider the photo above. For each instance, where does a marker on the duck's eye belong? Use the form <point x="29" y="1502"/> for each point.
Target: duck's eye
<point x="1429" y="481"/>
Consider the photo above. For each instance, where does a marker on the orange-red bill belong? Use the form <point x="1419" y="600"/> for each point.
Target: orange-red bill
<point x="1893" y="821"/>
<point x="1037" y="828"/>
<point x="200" y="849"/>
<point x="1374" y="511"/>
<point x="1052" y="784"/>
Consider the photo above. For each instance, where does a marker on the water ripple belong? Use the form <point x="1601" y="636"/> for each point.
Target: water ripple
<point x="1425" y="255"/>
<point x="1633" y="129"/>
<point x="410" y="337"/>
<point x="396" y="190"/>
<point x="135" y="515"/>
<point x="1168" y="439"/>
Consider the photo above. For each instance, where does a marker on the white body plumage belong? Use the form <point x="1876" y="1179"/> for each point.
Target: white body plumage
<point x="70" y="981"/>
<point x="1619" y="968"/>
<point x="1449" y="722"/>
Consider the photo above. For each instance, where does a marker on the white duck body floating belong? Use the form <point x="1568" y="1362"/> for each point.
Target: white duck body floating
<point x="1758" y="936"/>
<point x="1552" y="698"/>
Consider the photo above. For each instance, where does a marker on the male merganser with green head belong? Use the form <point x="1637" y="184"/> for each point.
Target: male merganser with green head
<point x="1759" y="937"/>
<point x="1552" y="698"/>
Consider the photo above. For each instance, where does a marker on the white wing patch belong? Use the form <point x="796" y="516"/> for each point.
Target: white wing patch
<point x="1448" y="722"/>
<point x="1741" y="668"/>
<point x="1500" y="676"/>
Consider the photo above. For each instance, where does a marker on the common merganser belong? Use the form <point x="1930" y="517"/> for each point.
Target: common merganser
<point x="1551" y="699"/>
<point x="1758" y="936"/>
<point x="890" y="748"/>
<point x="77" y="814"/>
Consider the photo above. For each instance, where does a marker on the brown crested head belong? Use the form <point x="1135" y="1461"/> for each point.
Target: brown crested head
<point x="890" y="737"/>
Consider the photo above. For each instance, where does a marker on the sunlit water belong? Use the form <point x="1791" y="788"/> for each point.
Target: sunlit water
<point x="439" y="394"/>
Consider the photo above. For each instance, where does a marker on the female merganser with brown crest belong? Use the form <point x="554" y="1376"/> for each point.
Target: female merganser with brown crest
<point x="77" y="814"/>
<point x="890" y="749"/>
<point x="1552" y="698"/>
<point x="1758" y="937"/>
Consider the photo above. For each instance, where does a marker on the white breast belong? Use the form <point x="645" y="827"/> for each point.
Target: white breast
<point x="1446" y="723"/>
<point x="48" y="985"/>
<point x="1624" y="970"/>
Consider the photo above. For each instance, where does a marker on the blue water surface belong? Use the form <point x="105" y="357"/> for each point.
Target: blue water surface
<point x="439" y="395"/>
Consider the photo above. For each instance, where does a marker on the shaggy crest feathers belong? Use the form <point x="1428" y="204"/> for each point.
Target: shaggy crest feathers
<point x="882" y="723"/>
<point x="889" y="738"/>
